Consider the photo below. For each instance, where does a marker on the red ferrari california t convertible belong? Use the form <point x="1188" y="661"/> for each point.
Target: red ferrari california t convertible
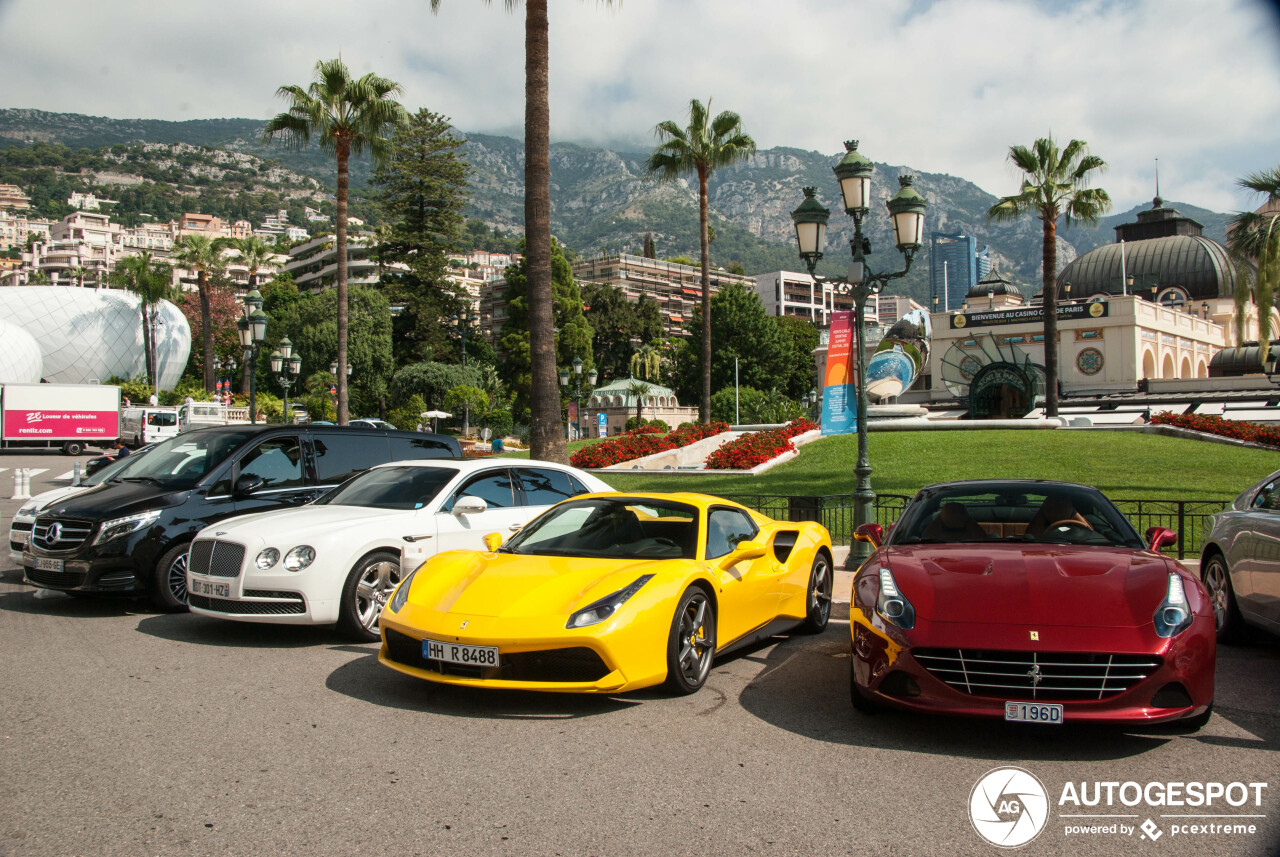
<point x="1033" y="601"/>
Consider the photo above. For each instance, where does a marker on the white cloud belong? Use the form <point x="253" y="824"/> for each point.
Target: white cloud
<point x="945" y="86"/>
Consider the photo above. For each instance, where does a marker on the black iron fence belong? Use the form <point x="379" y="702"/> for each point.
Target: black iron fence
<point x="835" y="512"/>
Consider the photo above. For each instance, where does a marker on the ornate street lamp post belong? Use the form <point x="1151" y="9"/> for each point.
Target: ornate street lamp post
<point x="577" y="388"/>
<point x="252" y="327"/>
<point x="906" y="210"/>
<point x="285" y="359"/>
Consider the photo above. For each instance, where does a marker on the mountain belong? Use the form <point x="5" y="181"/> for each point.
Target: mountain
<point x="602" y="200"/>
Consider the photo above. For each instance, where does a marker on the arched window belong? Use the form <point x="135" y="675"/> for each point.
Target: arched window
<point x="1166" y="368"/>
<point x="1186" y="368"/>
<point x="1202" y="371"/>
<point x="1148" y="365"/>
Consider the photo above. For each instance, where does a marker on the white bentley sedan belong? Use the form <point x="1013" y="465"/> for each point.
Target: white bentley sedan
<point x="338" y="558"/>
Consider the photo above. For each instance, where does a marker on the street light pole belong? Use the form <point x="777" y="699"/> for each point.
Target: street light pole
<point x="577" y="388"/>
<point x="333" y="370"/>
<point x="252" y="327"/>
<point x="284" y="359"/>
<point x="906" y="210"/>
<point x="463" y="320"/>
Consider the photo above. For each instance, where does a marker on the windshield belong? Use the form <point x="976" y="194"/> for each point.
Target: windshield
<point x="182" y="461"/>
<point x="390" y="488"/>
<point x="612" y="527"/>
<point x="115" y="468"/>
<point x="1061" y="514"/>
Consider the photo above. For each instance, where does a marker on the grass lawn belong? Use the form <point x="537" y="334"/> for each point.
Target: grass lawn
<point x="1125" y="465"/>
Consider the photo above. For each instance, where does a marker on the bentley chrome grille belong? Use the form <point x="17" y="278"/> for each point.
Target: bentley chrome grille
<point x="1037" y="675"/>
<point x="215" y="558"/>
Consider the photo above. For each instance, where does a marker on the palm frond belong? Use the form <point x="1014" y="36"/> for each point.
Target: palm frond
<point x="1265" y="181"/>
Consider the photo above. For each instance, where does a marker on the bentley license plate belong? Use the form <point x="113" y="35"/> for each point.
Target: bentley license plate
<point x="1033" y="712"/>
<point x="46" y="564"/>
<point x="456" y="653"/>
<point x="215" y="590"/>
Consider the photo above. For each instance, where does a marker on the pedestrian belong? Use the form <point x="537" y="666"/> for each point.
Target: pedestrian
<point x="154" y="401"/>
<point x="419" y="428"/>
<point x="124" y="402"/>
<point x="122" y="450"/>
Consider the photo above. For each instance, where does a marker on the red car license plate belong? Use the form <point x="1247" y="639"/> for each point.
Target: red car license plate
<point x="1033" y="712"/>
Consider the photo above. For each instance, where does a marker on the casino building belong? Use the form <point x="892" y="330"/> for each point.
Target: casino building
<point x="1155" y="309"/>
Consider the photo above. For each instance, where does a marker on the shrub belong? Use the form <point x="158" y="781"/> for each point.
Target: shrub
<point x="1237" y="429"/>
<point x="642" y="441"/>
<point x="755" y="448"/>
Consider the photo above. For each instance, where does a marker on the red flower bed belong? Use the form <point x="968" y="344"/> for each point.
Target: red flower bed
<point x="1237" y="429"/>
<point x="757" y="447"/>
<point x="640" y="442"/>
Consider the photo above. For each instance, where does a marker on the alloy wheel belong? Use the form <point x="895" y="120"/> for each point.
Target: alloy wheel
<point x="377" y="581"/>
<point x="697" y="639"/>
<point x="178" y="577"/>
<point x="820" y="589"/>
<point x="1215" y="580"/>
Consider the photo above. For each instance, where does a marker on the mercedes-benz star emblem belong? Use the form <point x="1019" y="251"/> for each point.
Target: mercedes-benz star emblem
<point x="55" y="533"/>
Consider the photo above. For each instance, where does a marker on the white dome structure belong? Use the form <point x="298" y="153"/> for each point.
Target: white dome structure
<point x="90" y="335"/>
<point x="20" y="357"/>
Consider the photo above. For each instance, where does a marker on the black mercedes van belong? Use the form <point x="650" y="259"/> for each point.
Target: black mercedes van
<point x="131" y="533"/>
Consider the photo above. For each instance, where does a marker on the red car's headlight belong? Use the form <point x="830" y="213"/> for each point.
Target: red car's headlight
<point x="892" y="605"/>
<point x="1173" y="616"/>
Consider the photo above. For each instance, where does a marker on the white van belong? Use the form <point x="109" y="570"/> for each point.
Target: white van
<point x="141" y="426"/>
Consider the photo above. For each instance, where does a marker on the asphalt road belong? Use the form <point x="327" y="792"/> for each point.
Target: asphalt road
<point x="127" y="732"/>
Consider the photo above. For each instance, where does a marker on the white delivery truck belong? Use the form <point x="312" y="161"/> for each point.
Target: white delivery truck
<point x="70" y="416"/>
<point x="141" y="426"/>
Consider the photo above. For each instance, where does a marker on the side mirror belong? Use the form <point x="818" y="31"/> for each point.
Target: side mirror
<point x="469" y="505"/>
<point x="742" y="552"/>
<point x="492" y="541"/>
<point x="248" y="484"/>
<point x="1158" y="537"/>
<point x="873" y="534"/>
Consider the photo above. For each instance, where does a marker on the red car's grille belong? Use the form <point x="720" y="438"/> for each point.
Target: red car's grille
<point x="1036" y="675"/>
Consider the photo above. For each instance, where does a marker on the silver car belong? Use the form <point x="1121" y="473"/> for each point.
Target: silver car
<point x="1240" y="561"/>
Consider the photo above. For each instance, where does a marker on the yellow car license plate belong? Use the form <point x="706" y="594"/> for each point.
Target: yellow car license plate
<point x="456" y="653"/>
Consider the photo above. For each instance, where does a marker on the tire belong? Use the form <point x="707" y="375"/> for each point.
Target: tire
<point x="73" y="447"/>
<point x="861" y="702"/>
<point x="690" y="655"/>
<point x="169" y="582"/>
<point x="368" y="587"/>
<point x="818" y="598"/>
<point x="1226" y="613"/>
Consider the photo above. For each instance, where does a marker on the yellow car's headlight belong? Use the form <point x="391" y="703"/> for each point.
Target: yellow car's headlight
<point x="401" y="594"/>
<point x="598" y="611"/>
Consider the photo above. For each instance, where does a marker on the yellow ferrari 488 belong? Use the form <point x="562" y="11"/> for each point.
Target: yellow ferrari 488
<point x="609" y="592"/>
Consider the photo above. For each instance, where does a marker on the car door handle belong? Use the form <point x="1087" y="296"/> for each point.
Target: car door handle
<point x="514" y="527"/>
<point x="412" y="539"/>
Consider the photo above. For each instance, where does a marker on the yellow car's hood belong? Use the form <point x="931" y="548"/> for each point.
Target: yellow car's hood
<point x="509" y="585"/>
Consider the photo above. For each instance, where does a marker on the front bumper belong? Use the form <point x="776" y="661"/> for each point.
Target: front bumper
<point x="534" y="653"/>
<point x="78" y="572"/>
<point x="1180" y="686"/>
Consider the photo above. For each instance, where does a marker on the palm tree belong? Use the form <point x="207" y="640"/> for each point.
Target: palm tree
<point x="152" y="282"/>
<point x="639" y="389"/>
<point x="255" y="254"/>
<point x="77" y="273"/>
<point x="1055" y="185"/>
<point x="348" y="117"/>
<point x="201" y="254"/>
<point x="701" y="149"/>
<point x="1255" y="236"/>
<point x="646" y="361"/>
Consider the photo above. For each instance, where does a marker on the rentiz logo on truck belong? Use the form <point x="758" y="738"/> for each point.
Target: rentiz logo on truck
<point x="35" y="416"/>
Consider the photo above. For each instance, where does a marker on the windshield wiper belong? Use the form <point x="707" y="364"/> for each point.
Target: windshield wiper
<point x="153" y="480"/>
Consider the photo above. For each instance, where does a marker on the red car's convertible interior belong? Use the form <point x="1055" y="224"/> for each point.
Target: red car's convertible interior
<point x="1062" y="515"/>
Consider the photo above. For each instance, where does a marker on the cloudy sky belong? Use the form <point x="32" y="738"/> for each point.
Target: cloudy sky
<point x="938" y="85"/>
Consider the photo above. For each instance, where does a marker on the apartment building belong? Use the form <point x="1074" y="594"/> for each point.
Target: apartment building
<point x="314" y="264"/>
<point x="676" y="288"/>
<point x="13" y="199"/>
<point x="16" y="226"/>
